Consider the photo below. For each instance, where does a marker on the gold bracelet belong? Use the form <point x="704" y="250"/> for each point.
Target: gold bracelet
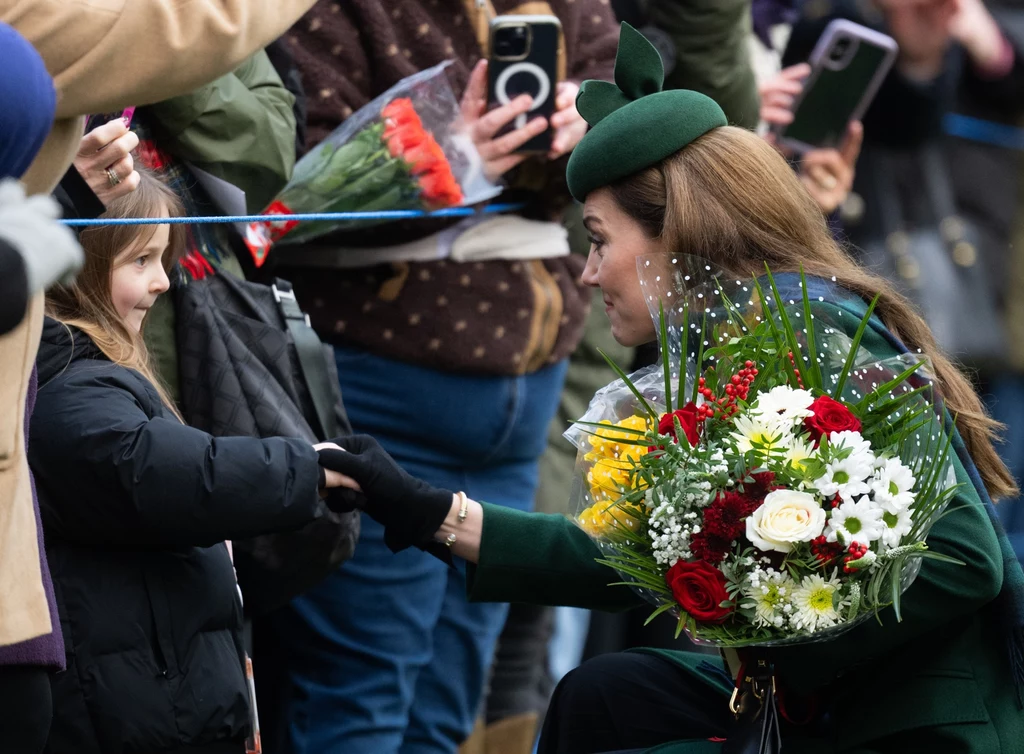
<point x="449" y="540"/>
<point x="463" y="506"/>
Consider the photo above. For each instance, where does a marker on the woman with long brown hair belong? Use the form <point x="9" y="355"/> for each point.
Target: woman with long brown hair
<point x="661" y="172"/>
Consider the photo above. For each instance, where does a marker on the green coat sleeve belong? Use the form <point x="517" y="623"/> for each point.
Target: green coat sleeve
<point x="711" y="39"/>
<point x="240" y="128"/>
<point x="542" y="559"/>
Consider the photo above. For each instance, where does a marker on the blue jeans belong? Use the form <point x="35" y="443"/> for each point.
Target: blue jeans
<point x="387" y="655"/>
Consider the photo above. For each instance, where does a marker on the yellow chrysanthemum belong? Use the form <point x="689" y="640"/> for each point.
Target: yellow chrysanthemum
<point x="602" y="518"/>
<point x="606" y="442"/>
<point x="611" y="475"/>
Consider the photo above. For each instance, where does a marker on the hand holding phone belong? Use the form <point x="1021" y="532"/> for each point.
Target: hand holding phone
<point x="523" y="60"/>
<point x="567" y="124"/>
<point x="488" y="128"/>
<point x="847" y="68"/>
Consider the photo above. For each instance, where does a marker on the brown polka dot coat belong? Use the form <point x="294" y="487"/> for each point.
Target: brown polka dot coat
<point x="487" y="317"/>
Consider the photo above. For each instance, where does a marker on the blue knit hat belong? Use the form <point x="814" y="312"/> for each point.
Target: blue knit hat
<point x="27" y="103"/>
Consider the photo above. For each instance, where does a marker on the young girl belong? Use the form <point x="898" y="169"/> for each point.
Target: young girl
<point x="136" y="509"/>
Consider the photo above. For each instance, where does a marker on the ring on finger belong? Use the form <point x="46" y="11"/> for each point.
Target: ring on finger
<point x="112" y="177"/>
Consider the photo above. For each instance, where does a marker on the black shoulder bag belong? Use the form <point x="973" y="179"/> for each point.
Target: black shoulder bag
<point x="250" y="364"/>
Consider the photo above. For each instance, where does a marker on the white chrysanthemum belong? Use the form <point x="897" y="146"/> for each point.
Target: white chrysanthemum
<point x="769" y="593"/>
<point x="784" y="404"/>
<point x="799" y="451"/>
<point x="856" y="521"/>
<point x="893" y="485"/>
<point x="852" y="441"/>
<point x="764" y="432"/>
<point x="847" y="477"/>
<point x="815" y="605"/>
<point x="897" y="526"/>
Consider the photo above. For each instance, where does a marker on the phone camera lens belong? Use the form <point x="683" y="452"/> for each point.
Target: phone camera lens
<point x="511" y="41"/>
<point x="840" y="49"/>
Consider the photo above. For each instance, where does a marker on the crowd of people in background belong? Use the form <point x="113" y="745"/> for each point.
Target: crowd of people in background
<point x="132" y="457"/>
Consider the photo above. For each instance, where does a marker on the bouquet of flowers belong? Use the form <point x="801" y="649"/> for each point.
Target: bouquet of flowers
<point x="770" y="481"/>
<point x="402" y="151"/>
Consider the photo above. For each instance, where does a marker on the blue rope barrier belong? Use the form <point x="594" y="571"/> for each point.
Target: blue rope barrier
<point x="984" y="131"/>
<point x="403" y="214"/>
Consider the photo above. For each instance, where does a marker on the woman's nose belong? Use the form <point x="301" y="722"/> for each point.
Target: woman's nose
<point x="589" y="276"/>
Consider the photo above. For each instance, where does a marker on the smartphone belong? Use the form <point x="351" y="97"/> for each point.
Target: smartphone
<point x="848" y="65"/>
<point x="524" y="60"/>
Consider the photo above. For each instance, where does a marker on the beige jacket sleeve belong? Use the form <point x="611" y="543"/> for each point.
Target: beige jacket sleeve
<point x="105" y="55"/>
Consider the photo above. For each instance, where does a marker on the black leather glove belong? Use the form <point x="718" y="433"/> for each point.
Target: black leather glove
<point x="410" y="510"/>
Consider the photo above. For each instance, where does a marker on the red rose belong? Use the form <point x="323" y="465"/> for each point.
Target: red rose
<point x="830" y="416"/>
<point x="699" y="589"/>
<point x="439" y="187"/>
<point x="399" y="113"/>
<point x="687" y="416"/>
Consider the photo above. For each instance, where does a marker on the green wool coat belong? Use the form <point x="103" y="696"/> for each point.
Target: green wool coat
<point x="937" y="682"/>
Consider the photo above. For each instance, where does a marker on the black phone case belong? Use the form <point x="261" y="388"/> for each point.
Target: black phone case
<point x="544" y="54"/>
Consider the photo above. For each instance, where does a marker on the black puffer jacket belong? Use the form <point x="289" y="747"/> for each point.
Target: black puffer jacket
<point x="136" y="508"/>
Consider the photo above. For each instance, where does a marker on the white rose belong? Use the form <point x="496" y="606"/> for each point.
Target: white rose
<point x="785" y="517"/>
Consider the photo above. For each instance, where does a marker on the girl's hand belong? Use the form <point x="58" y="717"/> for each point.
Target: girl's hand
<point x="482" y="126"/>
<point x="828" y="173"/>
<point x="334" y="478"/>
<point x="105" y="161"/>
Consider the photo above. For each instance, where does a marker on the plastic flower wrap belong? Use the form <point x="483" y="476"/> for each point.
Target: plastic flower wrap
<point x="405" y="150"/>
<point x="770" y="481"/>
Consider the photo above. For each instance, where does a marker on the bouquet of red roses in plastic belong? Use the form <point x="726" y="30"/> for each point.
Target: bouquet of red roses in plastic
<point x="403" y="151"/>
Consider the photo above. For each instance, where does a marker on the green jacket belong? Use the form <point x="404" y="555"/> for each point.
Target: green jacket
<point x="936" y="682"/>
<point x="240" y="128"/>
<point x="711" y="41"/>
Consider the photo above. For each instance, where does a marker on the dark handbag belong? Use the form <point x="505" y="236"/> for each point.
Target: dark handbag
<point x="937" y="261"/>
<point x="250" y="364"/>
<point x="755" y="727"/>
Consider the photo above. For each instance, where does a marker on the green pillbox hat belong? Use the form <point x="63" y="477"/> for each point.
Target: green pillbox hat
<point x="633" y="123"/>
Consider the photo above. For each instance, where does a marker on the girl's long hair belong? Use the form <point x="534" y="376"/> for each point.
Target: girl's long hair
<point x="735" y="201"/>
<point x="87" y="303"/>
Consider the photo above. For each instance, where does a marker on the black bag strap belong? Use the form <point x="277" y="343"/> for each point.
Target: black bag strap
<point x="311" y="358"/>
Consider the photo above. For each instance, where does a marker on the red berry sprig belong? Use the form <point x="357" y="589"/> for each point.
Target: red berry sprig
<point x="799" y="380"/>
<point x="738" y="387"/>
<point x="855" y="551"/>
<point x="824" y="550"/>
